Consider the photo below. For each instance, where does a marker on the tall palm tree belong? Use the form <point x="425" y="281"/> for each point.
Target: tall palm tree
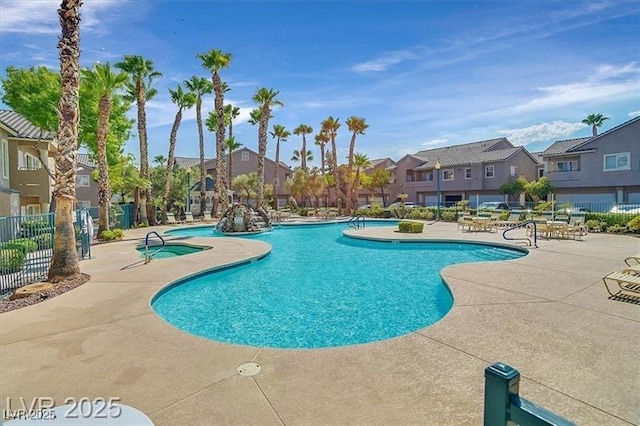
<point x="330" y="127"/>
<point x="281" y="134"/>
<point x="356" y="126"/>
<point x="65" y="257"/>
<point x="297" y="156"/>
<point x="266" y="100"/>
<point x="200" y="86"/>
<point x="595" y="121"/>
<point x="183" y="100"/>
<point x="303" y="129"/>
<point x="230" y="113"/>
<point x="321" y="140"/>
<point x="231" y="145"/>
<point x="103" y="81"/>
<point x="141" y="76"/>
<point x="361" y="162"/>
<point x="215" y="60"/>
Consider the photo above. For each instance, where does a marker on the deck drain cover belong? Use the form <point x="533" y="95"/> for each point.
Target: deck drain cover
<point x="249" y="369"/>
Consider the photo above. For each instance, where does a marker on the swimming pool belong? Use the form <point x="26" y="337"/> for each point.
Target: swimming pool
<point x="318" y="289"/>
<point x="170" y="250"/>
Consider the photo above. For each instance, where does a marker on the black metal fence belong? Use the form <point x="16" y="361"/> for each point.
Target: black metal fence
<point x="26" y="243"/>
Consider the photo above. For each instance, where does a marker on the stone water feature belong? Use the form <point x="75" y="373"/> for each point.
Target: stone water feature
<point x="242" y="218"/>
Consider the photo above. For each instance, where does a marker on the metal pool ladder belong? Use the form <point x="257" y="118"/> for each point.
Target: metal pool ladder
<point x="147" y="256"/>
<point x="523" y="225"/>
<point x="356" y="222"/>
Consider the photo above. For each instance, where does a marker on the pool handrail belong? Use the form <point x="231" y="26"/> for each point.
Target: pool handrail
<point x="523" y="225"/>
<point x="355" y="221"/>
<point x="147" y="256"/>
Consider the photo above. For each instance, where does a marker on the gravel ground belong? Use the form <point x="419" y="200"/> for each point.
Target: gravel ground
<point x="57" y="289"/>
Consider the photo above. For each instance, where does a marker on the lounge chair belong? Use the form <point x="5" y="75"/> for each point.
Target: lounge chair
<point x="512" y="220"/>
<point x="188" y="217"/>
<point x="632" y="270"/>
<point x="626" y="282"/>
<point x="171" y="219"/>
<point x="635" y="259"/>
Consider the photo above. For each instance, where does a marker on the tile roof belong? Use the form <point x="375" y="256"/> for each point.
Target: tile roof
<point x="188" y="162"/>
<point x="86" y="160"/>
<point x="468" y="153"/>
<point x="561" y="147"/>
<point x="22" y="127"/>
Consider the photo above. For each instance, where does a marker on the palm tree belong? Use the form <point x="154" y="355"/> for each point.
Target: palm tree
<point x="281" y="135"/>
<point x="215" y="60"/>
<point x="361" y="162"/>
<point x="141" y="75"/>
<point x="266" y="100"/>
<point x="230" y="113"/>
<point x="183" y="100"/>
<point x="356" y="126"/>
<point x="303" y="129"/>
<point x="200" y="86"/>
<point x="321" y="140"/>
<point x="231" y="145"/>
<point x="104" y="82"/>
<point x="595" y="121"/>
<point x="298" y="156"/>
<point x="330" y="127"/>
<point x="65" y="257"/>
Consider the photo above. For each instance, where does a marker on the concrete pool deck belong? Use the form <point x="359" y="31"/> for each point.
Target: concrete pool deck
<point x="546" y="314"/>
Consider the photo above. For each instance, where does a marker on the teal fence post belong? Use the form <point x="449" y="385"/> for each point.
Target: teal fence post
<point x="501" y="380"/>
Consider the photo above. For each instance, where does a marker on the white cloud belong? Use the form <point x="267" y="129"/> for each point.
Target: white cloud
<point x="384" y="62"/>
<point x="41" y="16"/>
<point x="634" y="114"/>
<point x="541" y="132"/>
<point x="434" y="142"/>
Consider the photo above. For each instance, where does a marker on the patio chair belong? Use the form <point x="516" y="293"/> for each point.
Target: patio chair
<point x="171" y="219"/>
<point x="626" y="282"/>
<point x="461" y="216"/>
<point x="632" y="270"/>
<point x="635" y="259"/>
<point x="512" y="220"/>
<point x="188" y="217"/>
<point x="577" y="226"/>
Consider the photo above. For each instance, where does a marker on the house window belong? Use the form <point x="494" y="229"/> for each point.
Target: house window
<point x="429" y="176"/>
<point x="467" y="173"/>
<point x="27" y="161"/>
<point x="32" y="209"/>
<point x="244" y="156"/>
<point x="614" y="162"/>
<point x="4" y="153"/>
<point x="540" y="173"/>
<point x="82" y="181"/>
<point x="447" y="174"/>
<point x="512" y="170"/>
<point x="489" y="172"/>
<point x="567" y="166"/>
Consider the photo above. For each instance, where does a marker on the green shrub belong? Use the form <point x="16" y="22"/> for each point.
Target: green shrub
<point x="44" y="241"/>
<point x="114" y="234"/>
<point x="421" y="213"/>
<point x="634" y="224"/>
<point x="25" y="244"/>
<point x="411" y="227"/>
<point x="449" y="215"/>
<point x="617" y="229"/>
<point x="11" y="260"/>
<point x="30" y="228"/>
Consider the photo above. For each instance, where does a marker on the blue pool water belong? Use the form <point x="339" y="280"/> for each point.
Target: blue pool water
<point x="318" y="289"/>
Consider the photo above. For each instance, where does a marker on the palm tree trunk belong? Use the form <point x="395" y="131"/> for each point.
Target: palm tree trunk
<point x="104" y="189"/>
<point x="203" y="176"/>
<point x="170" y="161"/>
<point x="275" y="175"/>
<point x="303" y="154"/>
<point x="65" y="257"/>
<point x="144" y="152"/>
<point x="350" y="183"/>
<point x="220" y="184"/>
<point x="262" y="152"/>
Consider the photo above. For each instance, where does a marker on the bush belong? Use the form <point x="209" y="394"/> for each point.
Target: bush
<point x="595" y="225"/>
<point x="44" y="241"/>
<point x="25" y="244"/>
<point x="114" y="234"/>
<point x="11" y="260"/>
<point x="617" y="229"/>
<point x="411" y="227"/>
<point x="634" y="224"/>
<point x="449" y="215"/>
<point x="30" y="228"/>
<point x="421" y="213"/>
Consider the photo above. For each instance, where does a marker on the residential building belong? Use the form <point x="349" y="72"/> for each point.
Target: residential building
<point x="26" y="159"/>
<point x="86" y="186"/>
<point x="600" y="169"/>
<point x="244" y="161"/>
<point x="473" y="171"/>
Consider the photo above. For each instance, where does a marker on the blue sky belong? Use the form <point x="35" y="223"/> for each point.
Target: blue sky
<point x="423" y="74"/>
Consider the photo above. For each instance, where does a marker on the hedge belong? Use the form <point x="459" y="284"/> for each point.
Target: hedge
<point x="411" y="227"/>
<point x="25" y="244"/>
<point x="11" y="260"/>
